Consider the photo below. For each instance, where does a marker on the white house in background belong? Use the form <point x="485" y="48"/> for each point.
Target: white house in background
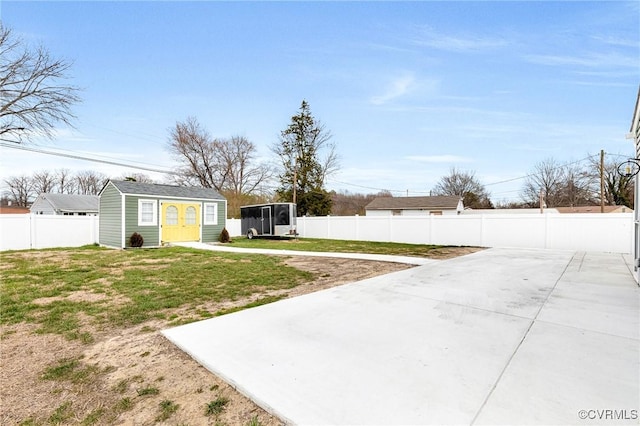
<point x="635" y="135"/>
<point x="66" y="204"/>
<point x="415" y="206"/>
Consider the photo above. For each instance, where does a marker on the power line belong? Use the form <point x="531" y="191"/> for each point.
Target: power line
<point x="365" y="187"/>
<point x="531" y="174"/>
<point x="138" y="135"/>
<point x="112" y="162"/>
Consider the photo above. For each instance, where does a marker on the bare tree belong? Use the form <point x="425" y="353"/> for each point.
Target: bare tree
<point x="65" y="182"/>
<point x="43" y="182"/>
<point x="21" y="190"/>
<point x="560" y="185"/>
<point x="194" y="149"/>
<point x="464" y="185"/>
<point x="243" y="174"/>
<point x="618" y="189"/>
<point x="576" y="188"/>
<point x="90" y="182"/>
<point x="349" y="204"/>
<point x="228" y="165"/>
<point x="33" y="95"/>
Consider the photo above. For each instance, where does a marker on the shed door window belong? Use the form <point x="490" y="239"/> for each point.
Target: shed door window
<point x="147" y="212"/>
<point x="190" y="216"/>
<point x="171" y="216"/>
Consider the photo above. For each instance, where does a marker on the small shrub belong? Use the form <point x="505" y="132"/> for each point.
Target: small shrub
<point x="149" y="390"/>
<point x="63" y="371"/>
<point x="224" y="236"/>
<point x="122" y="386"/>
<point x="254" y="421"/>
<point x="124" y="404"/>
<point x="62" y="414"/>
<point x="217" y="406"/>
<point x="93" y="417"/>
<point x="167" y="408"/>
<point x="136" y="240"/>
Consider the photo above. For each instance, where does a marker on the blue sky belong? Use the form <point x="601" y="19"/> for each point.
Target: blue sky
<point x="408" y="89"/>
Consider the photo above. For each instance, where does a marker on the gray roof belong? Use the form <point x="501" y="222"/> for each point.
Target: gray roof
<point x="72" y="202"/>
<point x="154" y="189"/>
<point x="439" y="202"/>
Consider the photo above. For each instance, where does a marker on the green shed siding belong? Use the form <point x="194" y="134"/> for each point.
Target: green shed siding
<point x="211" y="233"/>
<point x="149" y="233"/>
<point x="110" y="219"/>
<point x="119" y="201"/>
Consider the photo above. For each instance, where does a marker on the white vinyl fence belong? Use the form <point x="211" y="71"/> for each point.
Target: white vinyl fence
<point x="611" y="232"/>
<point x="30" y="231"/>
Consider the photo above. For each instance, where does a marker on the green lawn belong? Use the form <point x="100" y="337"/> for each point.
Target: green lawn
<point x="56" y="289"/>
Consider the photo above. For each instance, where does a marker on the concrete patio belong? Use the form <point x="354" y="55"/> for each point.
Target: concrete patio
<point x="497" y="337"/>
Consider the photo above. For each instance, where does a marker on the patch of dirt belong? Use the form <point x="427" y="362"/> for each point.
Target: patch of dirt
<point x="132" y="372"/>
<point x="443" y="253"/>
<point x="76" y="296"/>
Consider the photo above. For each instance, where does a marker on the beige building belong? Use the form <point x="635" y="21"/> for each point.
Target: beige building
<point x="594" y="209"/>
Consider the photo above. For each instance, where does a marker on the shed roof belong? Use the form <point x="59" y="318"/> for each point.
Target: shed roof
<point x="155" y="189"/>
<point x="438" y="202"/>
<point x="72" y="202"/>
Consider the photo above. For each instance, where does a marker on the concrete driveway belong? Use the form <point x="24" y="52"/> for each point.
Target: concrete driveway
<point x="496" y="337"/>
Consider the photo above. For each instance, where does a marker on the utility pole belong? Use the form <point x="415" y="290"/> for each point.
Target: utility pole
<point x="602" y="181"/>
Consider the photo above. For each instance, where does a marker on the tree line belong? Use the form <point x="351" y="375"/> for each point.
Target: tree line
<point x="551" y="182"/>
<point x="22" y="190"/>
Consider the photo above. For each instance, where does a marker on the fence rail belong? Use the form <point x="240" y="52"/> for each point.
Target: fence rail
<point x="30" y="231"/>
<point x="613" y="232"/>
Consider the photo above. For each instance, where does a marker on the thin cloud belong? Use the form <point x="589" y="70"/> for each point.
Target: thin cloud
<point x="589" y="61"/>
<point x="457" y="43"/>
<point x="398" y="88"/>
<point x="447" y="158"/>
<point x="617" y="41"/>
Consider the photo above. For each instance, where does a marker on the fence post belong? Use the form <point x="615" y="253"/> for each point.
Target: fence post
<point x="32" y="231"/>
<point x="357" y="226"/>
<point x="329" y="226"/>
<point x="431" y="236"/>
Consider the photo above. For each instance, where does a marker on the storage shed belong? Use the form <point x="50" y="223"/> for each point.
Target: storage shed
<point x="159" y="213"/>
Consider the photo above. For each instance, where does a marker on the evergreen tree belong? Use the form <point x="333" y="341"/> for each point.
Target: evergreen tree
<point x="304" y="170"/>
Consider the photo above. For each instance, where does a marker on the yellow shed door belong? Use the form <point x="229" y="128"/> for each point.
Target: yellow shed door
<point x="180" y="222"/>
